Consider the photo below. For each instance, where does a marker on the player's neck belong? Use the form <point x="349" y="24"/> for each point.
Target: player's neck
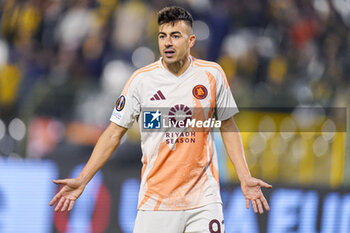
<point x="179" y="67"/>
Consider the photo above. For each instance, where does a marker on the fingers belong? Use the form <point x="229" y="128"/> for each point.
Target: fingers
<point x="54" y="199"/>
<point x="247" y="203"/>
<point x="264" y="184"/>
<point x="258" y="205"/>
<point x="64" y="181"/>
<point x="60" y="203"/>
<point x="65" y="205"/>
<point x="71" y="205"/>
<point x="254" y="206"/>
<point x="265" y="203"/>
<point x="261" y="211"/>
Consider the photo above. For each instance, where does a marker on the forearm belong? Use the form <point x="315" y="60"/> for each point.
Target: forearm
<point x="234" y="147"/>
<point x="106" y="144"/>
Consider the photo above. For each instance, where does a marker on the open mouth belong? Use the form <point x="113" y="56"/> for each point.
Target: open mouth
<point x="169" y="53"/>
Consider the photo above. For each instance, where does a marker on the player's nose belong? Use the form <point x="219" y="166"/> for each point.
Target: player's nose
<point x="168" y="42"/>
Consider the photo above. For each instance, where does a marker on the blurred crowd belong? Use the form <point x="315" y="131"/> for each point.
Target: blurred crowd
<point x="63" y="63"/>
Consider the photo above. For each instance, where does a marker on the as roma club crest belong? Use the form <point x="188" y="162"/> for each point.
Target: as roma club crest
<point x="120" y="103"/>
<point x="200" y="92"/>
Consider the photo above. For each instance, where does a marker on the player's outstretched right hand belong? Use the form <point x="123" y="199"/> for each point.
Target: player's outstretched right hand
<point x="71" y="190"/>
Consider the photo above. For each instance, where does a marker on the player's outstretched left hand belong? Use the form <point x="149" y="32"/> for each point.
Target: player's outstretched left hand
<point x="251" y="189"/>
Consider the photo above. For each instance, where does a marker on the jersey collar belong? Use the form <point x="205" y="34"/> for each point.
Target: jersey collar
<point x="189" y="68"/>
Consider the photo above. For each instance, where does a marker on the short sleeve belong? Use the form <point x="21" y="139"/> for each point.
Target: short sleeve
<point x="127" y="107"/>
<point x="225" y="104"/>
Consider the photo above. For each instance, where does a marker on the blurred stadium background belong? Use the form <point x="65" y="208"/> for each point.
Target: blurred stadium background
<point x="63" y="64"/>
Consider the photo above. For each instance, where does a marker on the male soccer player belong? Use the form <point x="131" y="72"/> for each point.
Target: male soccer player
<point x="179" y="189"/>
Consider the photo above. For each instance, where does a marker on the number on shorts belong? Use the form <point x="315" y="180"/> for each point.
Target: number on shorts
<point x="215" y="223"/>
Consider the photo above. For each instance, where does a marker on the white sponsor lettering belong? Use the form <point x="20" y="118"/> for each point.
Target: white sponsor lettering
<point x="210" y="123"/>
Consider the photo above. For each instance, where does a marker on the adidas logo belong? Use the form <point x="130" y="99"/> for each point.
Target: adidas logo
<point x="158" y="96"/>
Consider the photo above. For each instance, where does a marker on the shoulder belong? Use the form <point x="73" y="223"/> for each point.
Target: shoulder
<point x="212" y="67"/>
<point x="201" y="62"/>
<point x="139" y="74"/>
<point x="207" y="65"/>
<point x="146" y="69"/>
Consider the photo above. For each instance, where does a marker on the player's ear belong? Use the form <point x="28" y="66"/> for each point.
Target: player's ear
<point x="192" y="40"/>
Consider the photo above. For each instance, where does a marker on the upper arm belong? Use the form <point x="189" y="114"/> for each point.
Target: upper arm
<point x="225" y="104"/>
<point x="228" y="125"/>
<point x="115" y="131"/>
<point x="128" y="105"/>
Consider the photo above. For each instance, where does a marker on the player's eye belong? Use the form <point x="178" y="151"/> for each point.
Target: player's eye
<point x="176" y="36"/>
<point x="161" y="36"/>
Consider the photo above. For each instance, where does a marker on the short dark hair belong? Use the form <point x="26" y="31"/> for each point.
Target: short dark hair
<point x="173" y="14"/>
